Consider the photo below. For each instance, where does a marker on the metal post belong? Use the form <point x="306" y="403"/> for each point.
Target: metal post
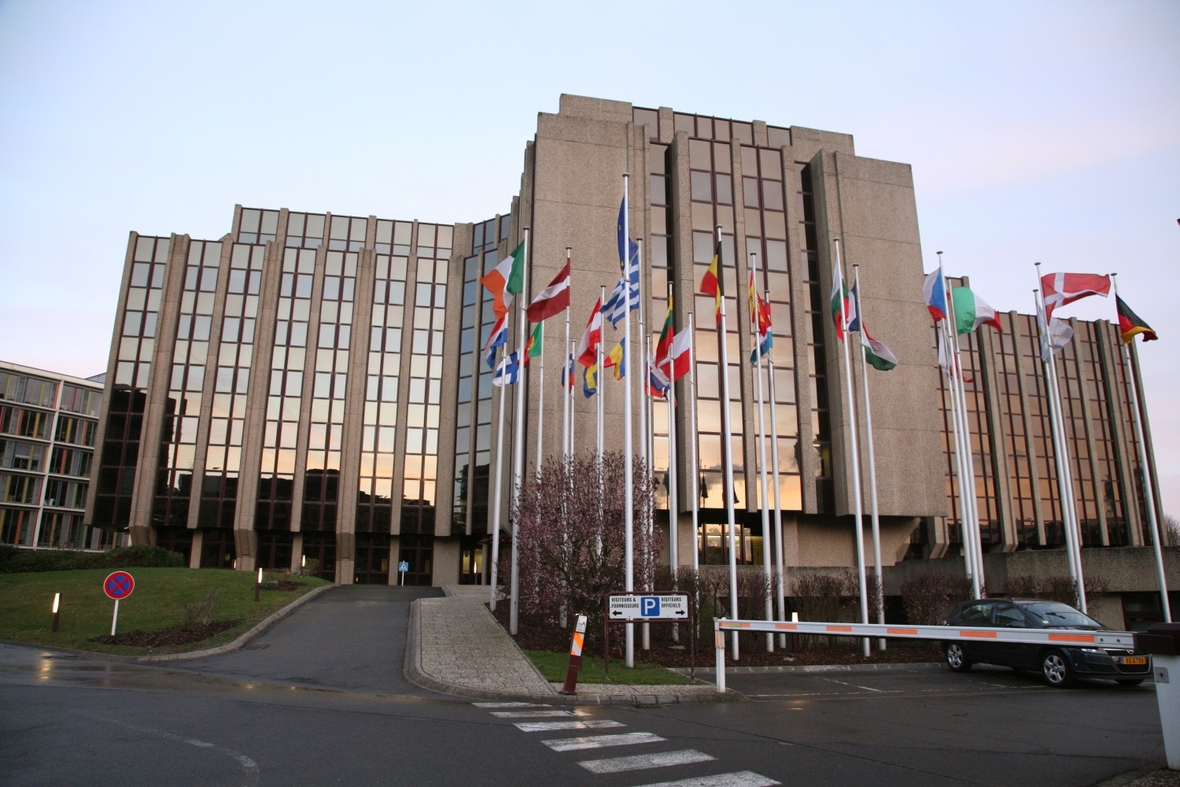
<point x="764" y="502"/>
<point x="628" y="451"/>
<point x="879" y="601"/>
<point x="727" y="441"/>
<point x="518" y="443"/>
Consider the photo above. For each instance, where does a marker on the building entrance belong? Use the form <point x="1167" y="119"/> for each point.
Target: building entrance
<point x="320" y="547"/>
<point x="372" y="559"/>
<point x="418" y="551"/>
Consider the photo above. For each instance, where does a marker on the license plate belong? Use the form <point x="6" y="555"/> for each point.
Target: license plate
<point x="1133" y="660"/>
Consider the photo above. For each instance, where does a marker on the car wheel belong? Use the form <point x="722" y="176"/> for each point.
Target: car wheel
<point x="1129" y="681"/>
<point x="956" y="659"/>
<point x="1056" y="670"/>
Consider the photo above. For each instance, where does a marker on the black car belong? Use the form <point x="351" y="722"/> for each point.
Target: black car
<point x="1060" y="665"/>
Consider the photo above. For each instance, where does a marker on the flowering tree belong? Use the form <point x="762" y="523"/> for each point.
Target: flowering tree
<point x="571" y="530"/>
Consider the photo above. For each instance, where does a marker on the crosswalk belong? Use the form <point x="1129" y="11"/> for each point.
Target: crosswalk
<point x="556" y="720"/>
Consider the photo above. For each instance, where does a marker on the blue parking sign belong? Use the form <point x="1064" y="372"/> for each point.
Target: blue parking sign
<point x="649" y="606"/>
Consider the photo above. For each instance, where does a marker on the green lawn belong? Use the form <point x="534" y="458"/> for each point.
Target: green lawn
<point x="26" y="602"/>
<point x="553" y="666"/>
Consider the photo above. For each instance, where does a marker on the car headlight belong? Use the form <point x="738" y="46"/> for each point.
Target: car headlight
<point x="1093" y="650"/>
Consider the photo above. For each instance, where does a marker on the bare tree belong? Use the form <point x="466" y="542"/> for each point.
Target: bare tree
<point x="571" y="528"/>
<point x="1171" y="531"/>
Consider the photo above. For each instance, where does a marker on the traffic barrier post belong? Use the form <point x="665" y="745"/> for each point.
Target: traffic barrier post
<point x="719" y="645"/>
<point x="1162" y="641"/>
<point x="575" y="662"/>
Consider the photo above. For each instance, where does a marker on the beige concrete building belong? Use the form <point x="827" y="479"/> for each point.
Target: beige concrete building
<point x="312" y="385"/>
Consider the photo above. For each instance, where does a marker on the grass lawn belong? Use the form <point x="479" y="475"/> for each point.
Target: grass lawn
<point x="553" y="666"/>
<point x="26" y="602"/>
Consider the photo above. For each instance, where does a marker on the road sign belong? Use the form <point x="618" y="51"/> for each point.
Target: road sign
<point x="118" y="585"/>
<point x="648" y="607"/>
<point x="403" y="566"/>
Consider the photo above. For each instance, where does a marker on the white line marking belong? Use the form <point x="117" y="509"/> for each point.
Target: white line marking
<point x="543" y="726"/>
<point x="601" y="741"/>
<point x="855" y="686"/>
<point x="738" y="779"/>
<point x="511" y="705"/>
<point x="536" y="714"/>
<point x="639" y="762"/>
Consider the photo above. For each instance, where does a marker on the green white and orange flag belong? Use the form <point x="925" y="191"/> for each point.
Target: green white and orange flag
<point x="533" y="348"/>
<point x="506" y="280"/>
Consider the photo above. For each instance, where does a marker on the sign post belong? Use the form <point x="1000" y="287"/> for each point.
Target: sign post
<point x="402" y="568"/>
<point x="657" y="607"/>
<point x="575" y="663"/>
<point x="118" y="585"/>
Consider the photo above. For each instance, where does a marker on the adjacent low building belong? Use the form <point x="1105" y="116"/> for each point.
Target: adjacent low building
<point x="311" y="385"/>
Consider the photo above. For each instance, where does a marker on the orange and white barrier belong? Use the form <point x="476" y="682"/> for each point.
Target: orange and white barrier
<point x="575" y="663"/>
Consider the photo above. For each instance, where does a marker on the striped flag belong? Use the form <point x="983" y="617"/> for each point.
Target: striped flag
<point x="657" y="381"/>
<point x="617" y="359"/>
<point x="533" y="348"/>
<point x="496" y="339"/>
<point x="553" y="299"/>
<point x="971" y="311"/>
<point x="506" y="279"/>
<point x="567" y="373"/>
<point x="711" y="281"/>
<point x="876" y="353"/>
<point x="1131" y="324"/>
<point x="588" y="347"/>
<point x="935" y="296"/>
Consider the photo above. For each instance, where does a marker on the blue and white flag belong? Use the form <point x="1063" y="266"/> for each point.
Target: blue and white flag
<point x="508" y="372"/>
<point x="616" y="306"/>
<point x="496" y="339"/>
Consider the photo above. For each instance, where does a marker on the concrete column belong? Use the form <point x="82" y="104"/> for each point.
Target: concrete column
<point x="1015" y="324"/>
<point x="1114" y="374"/>
<point x="991" y="364"/>
<point x="1084" y="390"/>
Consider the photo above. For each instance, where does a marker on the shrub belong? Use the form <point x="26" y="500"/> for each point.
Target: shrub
<point x="202" y="611"/>
<point x="19" y="561"/>
<point x="929" y="597"/>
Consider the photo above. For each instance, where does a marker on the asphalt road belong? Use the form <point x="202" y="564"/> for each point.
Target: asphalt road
<point x="324" y="703"/>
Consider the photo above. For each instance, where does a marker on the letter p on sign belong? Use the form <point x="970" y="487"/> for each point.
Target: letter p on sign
<point x="649" y="606"/>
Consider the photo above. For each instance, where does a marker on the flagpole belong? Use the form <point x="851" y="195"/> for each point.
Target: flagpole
<point x="965" y="465"/>
<point x="673" y="498"/>
<point x="763" y="503"/>
<point x="879" y="601"/>
<point x="727" y="443"/>
<point x="498" y="497"/>
<point x="573" y="401"/>
<point x="518" y="444"/>
<point x="598" y="386"/>
<point x="969" y="454"/>
<point x="1148" y="489"/>
<point x="644" y="422"/>
<point x="628" y="458"/>
<point x="778" y="509"/>
<point x="692" y="443"/>
<point x="854" y="455"/>
<point x="1061" y="457"/>
<point x="541" y="404"/>
<point x="566" y="446"/>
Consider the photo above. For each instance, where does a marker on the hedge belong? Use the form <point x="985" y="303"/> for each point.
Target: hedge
<point x="16" y="561"/>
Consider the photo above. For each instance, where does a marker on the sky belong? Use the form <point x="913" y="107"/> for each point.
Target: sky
<point x="1037" y="131"/>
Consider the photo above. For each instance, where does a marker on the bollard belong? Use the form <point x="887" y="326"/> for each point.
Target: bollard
<point x="719" y="644"/>
<point x="1162" y="641"/>
<point x="258" y="584"/>
<point x="56" y="609"/>
<point x="575" y="663"/>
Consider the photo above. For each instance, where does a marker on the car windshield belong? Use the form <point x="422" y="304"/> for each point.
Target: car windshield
<point x="1052" y="613"/>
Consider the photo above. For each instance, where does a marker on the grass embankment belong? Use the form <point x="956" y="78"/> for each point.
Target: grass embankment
<point x="553" y="667"/>
<point x="158" y="603"/>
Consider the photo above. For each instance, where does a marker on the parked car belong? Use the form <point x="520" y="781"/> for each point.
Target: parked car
<point x="1060" y="665"/>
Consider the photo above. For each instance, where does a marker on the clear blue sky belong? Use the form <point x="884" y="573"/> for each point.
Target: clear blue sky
<point x="1036" y="131"/>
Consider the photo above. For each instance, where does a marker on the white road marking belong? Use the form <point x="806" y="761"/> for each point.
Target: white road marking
<point x="602" y="741"/>
<point x="511" y="705"/>
<point x="738" y="779"/>
<point x="855" y="686"/>
<point x="639" y="762"/>
<point x="536" y="714"/>
<point x="543" y="726"/>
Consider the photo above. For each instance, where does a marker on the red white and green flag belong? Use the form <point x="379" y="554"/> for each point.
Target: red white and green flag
<point x="506" y="280"/>
<point x="841" y="303"/>
<point x="876" y="353"/>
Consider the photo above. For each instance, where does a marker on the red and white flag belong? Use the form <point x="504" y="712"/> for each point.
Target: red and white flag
<point x="1062" y="288"/>
<point x="588" y="347"/>
<point x="679" y="351"/>
<point x="553" y="299"/>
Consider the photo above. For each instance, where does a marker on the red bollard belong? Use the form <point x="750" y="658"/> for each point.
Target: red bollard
<point x="575" y="665"/>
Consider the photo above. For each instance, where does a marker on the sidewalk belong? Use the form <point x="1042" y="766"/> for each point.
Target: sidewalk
<point x="455" y="646"/>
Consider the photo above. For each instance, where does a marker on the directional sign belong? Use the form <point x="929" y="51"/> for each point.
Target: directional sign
<point x="118" y="584"/>
<point x="638" y="606"/>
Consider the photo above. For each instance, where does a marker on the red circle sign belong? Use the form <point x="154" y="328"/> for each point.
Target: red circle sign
<point x="118" y="585"/>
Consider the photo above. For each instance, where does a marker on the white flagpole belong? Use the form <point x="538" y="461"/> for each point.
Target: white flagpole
<point x="567" y="447"/>
<point x="518" y="445"/>
<point x="541" y="405"/>
<point x="598" y="382"/>
<point x="499" y="489"/>
<point x="1156" y="534"/>
<point x="573" y="362"/>
<point x="879" y="601"/>
<point x="778" y="509"/>
<point x="727" y="443"/>
<point x="646" y="446"/>
<point x="854" y="457"/>
<point x="692" y="443"/>
<point x="673" y="487"/>
<point x="960" y="463"/>
<point x="764" y="501"/>
<point x="628" y="451"/>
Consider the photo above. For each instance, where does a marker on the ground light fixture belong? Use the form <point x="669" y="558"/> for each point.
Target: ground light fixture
<point x="56" y="610"/>
<point x="258" y="584"/>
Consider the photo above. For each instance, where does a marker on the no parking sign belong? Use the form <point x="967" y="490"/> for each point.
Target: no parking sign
<point x="118" y="585"/>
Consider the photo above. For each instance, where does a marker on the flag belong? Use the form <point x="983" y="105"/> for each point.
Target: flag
<point x="615" y="307"/>
<point x="588" y="347"/>
<point x="971" y="311"/>
<point x="765" y="342"/>
<point x="617" y="359"/>
<point x="506" y="279"/>
<point x="508" y="372"/>
<point x="839" y="299"/>
<point x="761" y="310"/>
<point x="1131" y="324"/>
<point x="657" y="381"/>
<point x="852" y="305"/>
<point x="533" y="348"/>
<point x="681" y="345"/>
<point x="711" y="282"/>
<point x="1060" y="332"/>
<point x="567" y="373"/>
<point x="553" y="299"/>
<point x="496" y="339"/>
<point x="876" y="353"/>
<point x="631" y="245"/>
<point x="1062" y="288"/>
<point x="590" y="380"/>
<point x="935" y="294"/>
<point x="945" y="363"/>
<point x="666" y="333"/>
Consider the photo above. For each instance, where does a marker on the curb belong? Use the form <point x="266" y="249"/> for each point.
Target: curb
<point x="922" y="665"/>
<point x="1130" y="777"/>
<point x="412" y="672"/>
<point x="244" y="639"/>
